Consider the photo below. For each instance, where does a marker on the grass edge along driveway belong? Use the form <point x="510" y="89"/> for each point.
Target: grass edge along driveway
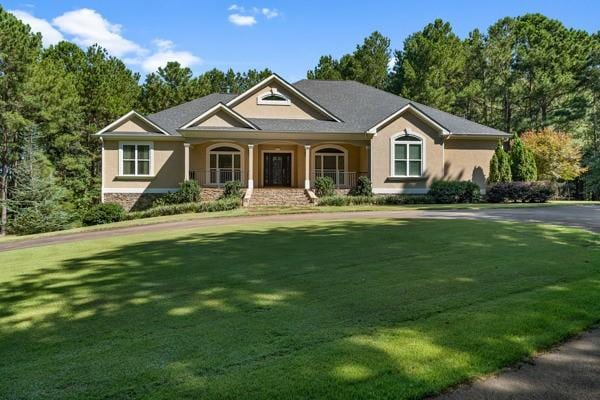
<point x="364" y="308"/>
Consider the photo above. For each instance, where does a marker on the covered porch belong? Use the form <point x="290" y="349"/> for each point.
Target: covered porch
<point x="276" y="163"/>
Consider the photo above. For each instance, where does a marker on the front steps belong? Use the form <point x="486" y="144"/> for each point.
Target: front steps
<point x="278" y="197"/>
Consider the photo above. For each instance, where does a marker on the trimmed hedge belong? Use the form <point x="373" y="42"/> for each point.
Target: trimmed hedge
<point x="450" y="192"/>
<point x="104" y="213"/>
<point x="525" y="192"/>
<point x="374" y="200"/>
<point x="173" y="209"/>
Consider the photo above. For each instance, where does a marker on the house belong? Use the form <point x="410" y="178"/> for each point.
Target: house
<point x="283" y="135"/>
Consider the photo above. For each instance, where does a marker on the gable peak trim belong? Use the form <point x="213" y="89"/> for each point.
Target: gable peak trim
<point x="233" y="102"/>
<point x="414" y="109"/>
<point x="128" y="117"/>
<point x="216" y="108"/>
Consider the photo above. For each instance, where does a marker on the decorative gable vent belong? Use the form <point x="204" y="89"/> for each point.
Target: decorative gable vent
<point x="273" y="98"/>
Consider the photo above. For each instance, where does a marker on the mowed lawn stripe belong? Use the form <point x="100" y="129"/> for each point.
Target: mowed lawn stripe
<point x="272" y="310"/>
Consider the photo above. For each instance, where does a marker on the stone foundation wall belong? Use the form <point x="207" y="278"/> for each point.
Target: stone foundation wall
<point x="132" y="201"/>
<point x="210" y="194"/>
<point x="342" y="192"/>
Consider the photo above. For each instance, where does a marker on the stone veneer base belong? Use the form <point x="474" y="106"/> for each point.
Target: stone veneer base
<point x="140" y="201"/>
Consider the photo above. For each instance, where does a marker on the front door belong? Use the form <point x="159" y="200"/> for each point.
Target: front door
<point x="278" y="169"/>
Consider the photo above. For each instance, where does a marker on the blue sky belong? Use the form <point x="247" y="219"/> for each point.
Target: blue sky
<point x="286" y="36"/>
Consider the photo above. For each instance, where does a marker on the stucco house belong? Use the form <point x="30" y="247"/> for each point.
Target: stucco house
<point x="283" y="135"/>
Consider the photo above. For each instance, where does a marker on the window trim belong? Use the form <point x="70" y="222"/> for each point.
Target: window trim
<point x="261" y="99"/>
<point x="398" y="139"/>
<point x="240" y="151"/>
<point x="327" y="146"/>
<point x="151" y="160"/>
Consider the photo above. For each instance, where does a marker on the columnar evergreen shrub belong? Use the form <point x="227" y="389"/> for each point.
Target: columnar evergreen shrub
<point x="324" y="186"/>
<point x="363" y="187"/>
<point x="500" y="166"/>
<point x="448" y="192"/>
<point x="232" y="189"/>
<point x="522" y="160"/>
<point x="104" y="213"/>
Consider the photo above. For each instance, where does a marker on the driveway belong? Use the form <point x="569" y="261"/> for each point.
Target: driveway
<point x="587" y="217"/>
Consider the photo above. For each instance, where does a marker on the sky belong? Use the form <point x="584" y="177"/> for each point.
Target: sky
<point x="286" y="36"/>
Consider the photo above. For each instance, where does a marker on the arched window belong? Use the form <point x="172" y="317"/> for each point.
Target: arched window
<point x="407" y="155"/>
<point x="224" y="164"/>
<point x="273" y="97"/>
<point x="331" y="162"/>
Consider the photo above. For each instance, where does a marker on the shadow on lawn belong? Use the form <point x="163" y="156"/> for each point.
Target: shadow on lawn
<point x="308" y="311"/>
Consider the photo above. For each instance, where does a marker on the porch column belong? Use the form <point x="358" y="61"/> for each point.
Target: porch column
<point x="307" y="166"/>
<point x="369" y="162"/>
<point x="250" y="166"/>
<point x="186" y="161"/>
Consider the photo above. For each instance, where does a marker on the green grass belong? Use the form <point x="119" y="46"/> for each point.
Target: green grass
<point x="360" y="309"/>
<point x="295" y="210"/>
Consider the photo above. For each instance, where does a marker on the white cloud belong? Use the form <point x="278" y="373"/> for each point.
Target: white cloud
<point x="242" y="20"/>
<point x="49" y="34"/>
<point x="166" y="53"/>
<point x="270" y="12"/>
<point x="235" y="7"/>
<point x="88" y="27"/>
<point x="391" y="62"/>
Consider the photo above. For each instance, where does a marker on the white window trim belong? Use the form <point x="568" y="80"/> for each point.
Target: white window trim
<point x="327" y="146"/>
<point x="150" y="169"/>
<point x="393" y="140"/>
<point x="285" y="101"/>
<point x="209" y="151"/>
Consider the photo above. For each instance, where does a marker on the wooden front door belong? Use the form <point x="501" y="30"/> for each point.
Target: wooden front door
<point x="277" y="169"/>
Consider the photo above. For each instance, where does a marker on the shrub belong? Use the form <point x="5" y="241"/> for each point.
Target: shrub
<point x="104" y="213"/>
<point x="522" y="160"/>
<point x="324" y="186"/>
<point x="173" y="209"/>
<point x="526" y="192"/>
<point x="187" y="192"/>
<point x="449" y="192"/>
<point x="374" y="200"/>
<point x="232" y="189"/>
<point x="363" y="187"/>
<point x="500" y="166"/>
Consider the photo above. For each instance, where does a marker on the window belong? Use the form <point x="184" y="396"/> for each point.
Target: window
<point x="273" y="97"/>
<point x="224" y="164"/>
<point x="331" y="162"/>
<point x="407" y="156"/>
<point x="136" y="159"/>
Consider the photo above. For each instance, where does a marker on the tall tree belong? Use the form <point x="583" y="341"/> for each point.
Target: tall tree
<point x="522" y="162"/>
<point x="429" y="67"/>
<point x="367" y="64"/>
<point x="19" y="49"/>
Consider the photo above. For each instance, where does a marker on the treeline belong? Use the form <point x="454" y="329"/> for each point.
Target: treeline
<point x="53" y="100"/>
<point x="528" y="73"/>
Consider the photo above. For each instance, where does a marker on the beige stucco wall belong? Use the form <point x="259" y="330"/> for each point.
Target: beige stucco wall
<point x="221" y="119"/>
<point x="469" y="159"/>
<point x="433" y="167"/>
<point x="168" y="167"/>
<point x="299" y="109"/>
<point x="134" y="125"/>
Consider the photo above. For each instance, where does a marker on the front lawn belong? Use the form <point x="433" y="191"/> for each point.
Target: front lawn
<point x="363" y="309"/>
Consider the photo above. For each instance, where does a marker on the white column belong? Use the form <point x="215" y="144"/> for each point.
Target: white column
<point x="369" y="162"/>
<point x="186" y="161"/>
<point x="250" y="166"/>
<point x="307" y="166"/>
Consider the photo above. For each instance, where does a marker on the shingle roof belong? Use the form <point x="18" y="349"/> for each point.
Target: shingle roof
<point x="364" y="106"/>
<point x="359" y="106"/>
<point x="175" y="117"/>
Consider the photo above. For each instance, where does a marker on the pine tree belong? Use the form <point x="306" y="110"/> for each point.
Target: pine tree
<point x="522" y="161"/>
<point x="37" y="202"/>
